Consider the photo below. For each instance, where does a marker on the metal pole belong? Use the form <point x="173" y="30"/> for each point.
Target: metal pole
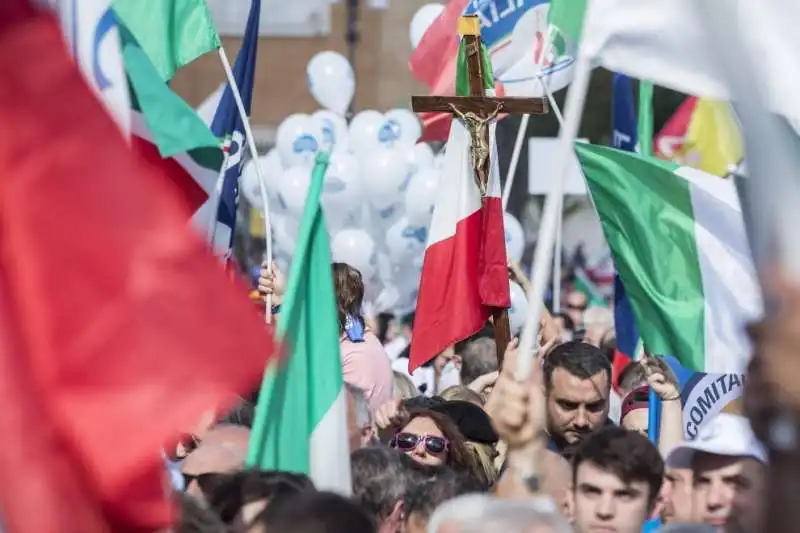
<point x="352" y="38"/>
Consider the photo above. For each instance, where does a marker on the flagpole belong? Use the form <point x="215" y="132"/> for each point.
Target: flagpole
<point x="576" y="98"/>
<point x="215" y="202"/>
<point x="251" y="143"/>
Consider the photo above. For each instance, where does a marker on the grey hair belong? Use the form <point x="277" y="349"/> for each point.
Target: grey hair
<point x="481" y="513"/>
<point x="363" y="414"/>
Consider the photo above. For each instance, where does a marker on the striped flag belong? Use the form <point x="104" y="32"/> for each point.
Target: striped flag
<point x="301" y="417"/>
<point x="702" y="134"/>
<point x="465" y="264"/>
<point x="680" y="247"/>
<point x="92" y="32"/>
<point x="228" y="125"/>
<point x="167" y="132"/>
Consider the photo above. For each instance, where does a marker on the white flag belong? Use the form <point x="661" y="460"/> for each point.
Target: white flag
<point x="667" y="42"/>
<point x="93" y="37"/>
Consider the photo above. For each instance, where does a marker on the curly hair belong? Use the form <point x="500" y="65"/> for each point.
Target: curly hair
<point x="459" y="457"/>
<point x="625" y="454"/>
<point x="349" y="287"/>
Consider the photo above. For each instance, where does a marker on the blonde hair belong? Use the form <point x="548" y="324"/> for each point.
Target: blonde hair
<point x="485" y="455"/>
<point x="462" y="393"/>
<point x="404" y="388"/>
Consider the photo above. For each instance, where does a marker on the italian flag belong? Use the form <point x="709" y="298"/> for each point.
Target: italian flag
<point x="465" y="270"/>
<point x="167" y="132"/>
<point x="301" y="417"/>
<point x="679" y="243"/>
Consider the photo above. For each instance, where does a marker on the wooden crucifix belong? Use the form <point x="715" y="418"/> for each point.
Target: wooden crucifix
<point x="476" y="111"/>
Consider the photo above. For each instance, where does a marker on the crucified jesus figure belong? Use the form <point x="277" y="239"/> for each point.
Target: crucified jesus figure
<point x="479" y="142"/>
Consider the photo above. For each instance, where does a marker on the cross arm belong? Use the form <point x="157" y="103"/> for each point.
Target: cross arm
<point x="483" y="105"/>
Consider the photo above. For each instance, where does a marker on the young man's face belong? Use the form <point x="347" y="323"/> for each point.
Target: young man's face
<point x="600" y="502"/>
<point x="728" y="492"/>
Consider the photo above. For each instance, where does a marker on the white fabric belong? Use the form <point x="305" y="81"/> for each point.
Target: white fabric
<point x="329" y="450"/>
<point x="458" y="195"/>
<point x="667" y="42"/>
<point x="730" y="284"/>
<point x="726" y="434"/>
<point x="101" y="62"/>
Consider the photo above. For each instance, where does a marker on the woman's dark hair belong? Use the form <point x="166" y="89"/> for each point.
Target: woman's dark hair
<point x="459" y="457"/>
<point x="568" y="323"/>
<point x="349" y="288"/>
<point x="228" y="493"/>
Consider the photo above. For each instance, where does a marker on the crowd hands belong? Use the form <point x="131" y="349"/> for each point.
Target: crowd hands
<point x="549" y="453"/>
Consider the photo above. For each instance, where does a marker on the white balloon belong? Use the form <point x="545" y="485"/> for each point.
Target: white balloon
<point x="331" y="80"/>
<point x="401" y="128"/>
<point x="420" y="156"/>
<point x="385" y="177"/>
<point x="404" y="240"/>
<point x="294" y="189"/>
<point x="249" y="185"/>
<point x="422" y="20"/>
<point x="334" y="130"/>
<point x="515" y="238"/>
<point x="421" y="196"/>
<point x="356" y="248"/>
<point x="342" y="192"/>
<point x="364" y="131"/>
<point x="298" y="139"/>
<point x="282" y="235"/>
<point x="519" y="308"/>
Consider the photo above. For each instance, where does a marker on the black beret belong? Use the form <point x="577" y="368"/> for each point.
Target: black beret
<point x="472" y="421"/>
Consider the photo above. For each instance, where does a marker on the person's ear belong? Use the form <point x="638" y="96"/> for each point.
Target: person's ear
<point x="569" y="505"/>
<point x="457" y="362"/>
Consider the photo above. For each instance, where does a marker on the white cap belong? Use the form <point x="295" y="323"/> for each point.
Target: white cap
<point x="725" y="434"/>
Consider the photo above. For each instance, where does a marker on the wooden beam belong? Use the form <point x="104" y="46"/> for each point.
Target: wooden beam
<point x="482" y="104"/>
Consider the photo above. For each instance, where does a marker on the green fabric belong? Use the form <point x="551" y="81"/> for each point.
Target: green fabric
<point x="584" y="285"/>
<point x="565" y="18"/>
<point x="172" y="33"/>
<point x="646" y="213"/>
<point x="462" y="70"/>
<point x="296" y="394"/>
<point x="645" y="126"/>
<point x="174" y="126"/>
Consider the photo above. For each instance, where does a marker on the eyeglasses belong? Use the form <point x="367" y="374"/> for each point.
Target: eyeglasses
<point x="406" y="442"/>
<point x="576" y="307"/>
<point x="201" y="479"/>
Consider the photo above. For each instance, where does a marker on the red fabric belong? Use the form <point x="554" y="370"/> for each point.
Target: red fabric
<point x="190" y="191"/>
<point x="621" y="360"/>
<point x="670" y="139"/>
<point x="118" y="328"/>
<point x="464" y="279"/>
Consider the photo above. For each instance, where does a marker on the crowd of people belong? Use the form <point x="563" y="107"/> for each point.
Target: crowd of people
<point x="475" y="450"/>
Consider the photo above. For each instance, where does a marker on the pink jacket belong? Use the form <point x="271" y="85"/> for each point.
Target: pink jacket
<point x="366" y="367"/>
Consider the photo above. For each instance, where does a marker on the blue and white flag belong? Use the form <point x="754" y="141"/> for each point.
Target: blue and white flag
<point x="91" y="31"/>
<point x="228" y="125"/>
<point x="704" y="395"/>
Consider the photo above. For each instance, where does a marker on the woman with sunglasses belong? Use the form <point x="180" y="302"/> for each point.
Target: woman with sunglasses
<point x="432" y="439"/>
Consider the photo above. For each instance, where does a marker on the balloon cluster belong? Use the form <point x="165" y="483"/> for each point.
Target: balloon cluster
<point x="378" y="193"/>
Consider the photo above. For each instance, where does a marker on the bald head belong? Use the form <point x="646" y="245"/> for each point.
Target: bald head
<point x="223" y="450"/>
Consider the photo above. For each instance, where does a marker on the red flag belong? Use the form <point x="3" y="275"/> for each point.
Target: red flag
<point x="118" y="327"/>
<point x="669" y="141"/>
